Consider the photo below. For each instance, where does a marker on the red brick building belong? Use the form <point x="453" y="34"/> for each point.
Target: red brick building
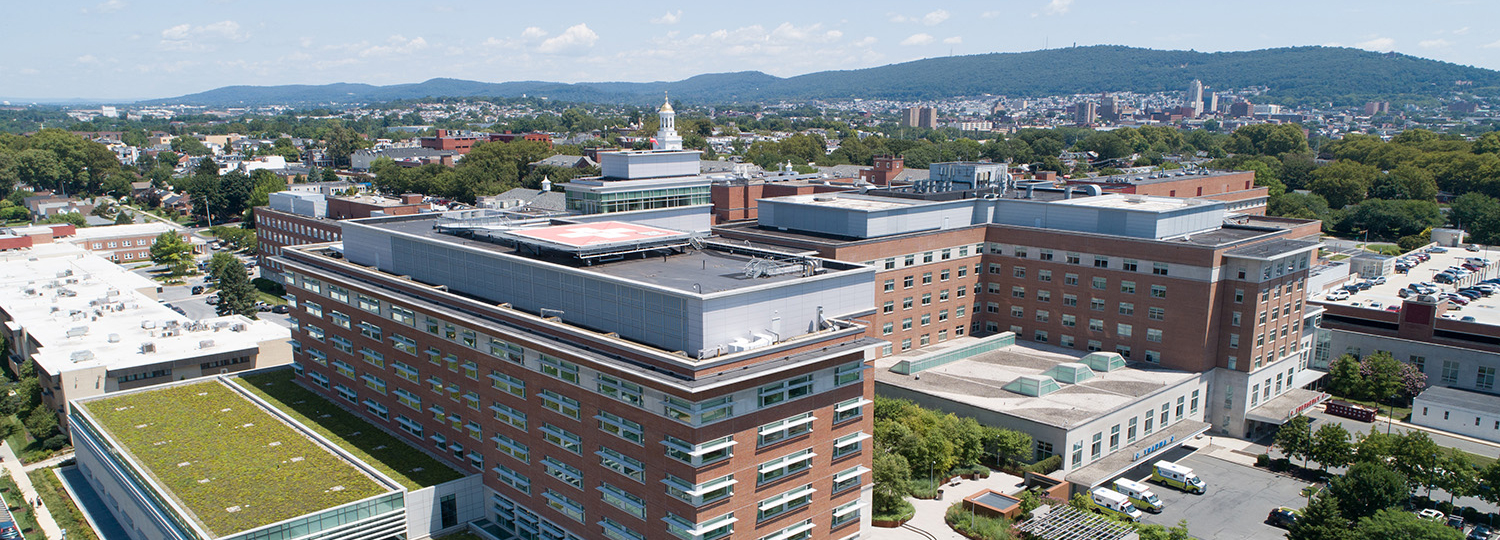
<point x="1234" y="187"/>
<point x="462" y="141"/>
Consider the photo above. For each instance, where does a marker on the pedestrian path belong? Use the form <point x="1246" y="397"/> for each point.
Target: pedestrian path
<point x="17" y="472"/>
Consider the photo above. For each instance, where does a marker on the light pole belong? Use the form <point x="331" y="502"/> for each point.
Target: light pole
<point x="1392" y="417"/>
<point x="932" y="475"/>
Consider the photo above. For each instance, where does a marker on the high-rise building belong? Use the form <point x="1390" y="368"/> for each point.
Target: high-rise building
<point x="1210" y="103"/>
<point x="1085" y="113"/>
<point x="1109" y="107"/>
<point x="610" y="379"/>
<point x="1373" y="108"/>
<point x="1242" y="109"/>
<point x="911" y="117"/>
<point x="927" y="118"/>
<point x="1195" y="96"/>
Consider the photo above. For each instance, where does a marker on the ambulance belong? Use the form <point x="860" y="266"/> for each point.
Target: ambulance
<point x="1140" y="495"/>
<point x="1111" y="501"/>
<point x="1171" y="474"/>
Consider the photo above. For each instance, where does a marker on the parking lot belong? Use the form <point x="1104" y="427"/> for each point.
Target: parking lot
<point x="1235" y="505"/>
<point x="1485" y="310"/>
<point x="196" y="306"/>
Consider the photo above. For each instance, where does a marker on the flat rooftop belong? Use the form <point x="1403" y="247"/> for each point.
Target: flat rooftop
<point x="1158" y="177"/>
<point x="1485" y="310"/>
<point x="1271" y="249"/>
<point x="850" y="201"/>
<point x="717" y="267"/>
<point x="85" y="311"/>
<point x="121" y="231"/>
<point x="1144" y="203"/>
<point x="228" y="462"/>
<point x="978" y="381"/>
<point x="1459" y="398"/>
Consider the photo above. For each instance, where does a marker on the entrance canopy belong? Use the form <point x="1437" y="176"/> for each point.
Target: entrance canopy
<point x="1141" y="451"/>
<point x="1281" y="408"/>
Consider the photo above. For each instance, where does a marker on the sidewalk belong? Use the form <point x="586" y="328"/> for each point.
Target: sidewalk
<point x="28" y="492"/>
<point x="929" y="523"/>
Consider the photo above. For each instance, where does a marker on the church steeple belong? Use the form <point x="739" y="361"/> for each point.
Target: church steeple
<point x="666" y="134"/>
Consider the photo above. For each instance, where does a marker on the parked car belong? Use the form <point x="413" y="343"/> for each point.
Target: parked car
<point x="1457" y="300"/>
<point x="212" y="300"/>
<point x="1471" y="295"/>
<point x="1282" y="517"/>
<point x="1337" y="295"/>
<point x="1375" y="305"/>
<point x="1436" y="249"/>
<point x="1393" y="308"/>
<point x="197" y="289"/>
<point x="281" y="308"/>
<point x="1443" y="278"/>
<point x="1363" y="285"/>
<point x="1472" y="247"/>
<point x="1456" y="521"/>
<point x="1428" y="513"/>
<point x="1480" y="532"/>
<point x="1379" y="280"/>
<point x="1467" y="318"/>
<point x="262" y="307"/>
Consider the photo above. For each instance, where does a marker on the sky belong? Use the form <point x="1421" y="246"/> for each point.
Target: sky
<point x="140" y="49"/>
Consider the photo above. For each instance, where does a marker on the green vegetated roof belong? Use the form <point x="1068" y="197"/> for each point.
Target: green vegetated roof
<point x="228" y="461"/>
<point x="390" y="455"/>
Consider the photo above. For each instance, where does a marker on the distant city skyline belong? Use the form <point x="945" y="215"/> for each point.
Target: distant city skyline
<point x="140" y="49"/>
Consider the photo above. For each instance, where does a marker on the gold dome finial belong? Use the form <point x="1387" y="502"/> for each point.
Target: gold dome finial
<point x="666" y="105"/>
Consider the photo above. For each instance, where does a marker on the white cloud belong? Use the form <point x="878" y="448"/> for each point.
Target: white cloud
<point x="396" y="45"/>
<point x="574" y="40"/>
<point x="1492" y="45"/>
<point x="935" y="17"/>
<point x="1434" y="43"/>
<point x="1461" y="31"/>
<point x="899" y="18"/>
<point x="29" y="71"/>
<point x="532" y="32"/>
<point x="917" y="39"/>
<point x="305" y="42"/>
<point x="1058" y="7"/>
<point x="186" y="37"/>
<point x="866" y="41"/>
<point x="1381" y="44"/>
<point x="670" y="18"/>
<point x="990" y="14"/>
<point x="955" y="40"/>
<point x="87" y="59"/>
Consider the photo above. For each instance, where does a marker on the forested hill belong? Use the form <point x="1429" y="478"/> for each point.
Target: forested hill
<point x="1294" y="75"/>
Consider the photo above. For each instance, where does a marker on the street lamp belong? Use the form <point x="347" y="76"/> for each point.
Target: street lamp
<point x="932" y="475"/>
<point x="1392" y="417"/>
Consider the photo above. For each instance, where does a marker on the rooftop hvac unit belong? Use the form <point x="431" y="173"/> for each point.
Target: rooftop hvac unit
<point x="148" y="324"/>
<point x="148" y="347"/>
<point x="78" y="331"/>
<point x="81" y="356"/>
<point x="240" y="327"/>
<point x="111" y="293"/>
<point x="114" y="338"/>
<point x="206" y="344"/>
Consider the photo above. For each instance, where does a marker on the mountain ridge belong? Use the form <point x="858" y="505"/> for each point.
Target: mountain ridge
<point x="1292" y="74"/>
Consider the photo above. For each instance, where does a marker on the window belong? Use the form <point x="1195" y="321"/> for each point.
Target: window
<point x="927" y="278"/>
<point x="1127" y="287"/>
<point x="1127" y="308"/>
<point x="888" y="329"/>
<point x="1018" y="271"/>
<point x="1234" y="319"/>
<point x="1070" y="279"/>
<point x="623" y="464"/>
<point x="848" y="444"/>
<point x="509" y="415"/>
<point x="1017" y="311"/>
<point x="623" y="500"/>
<point x="1158" y="291"/>
<point x="559" y="369"/>
<point x="790" y="389"/>
<point x="513" y="479"/>
<point x="1096" y="325"/>
<point x="1234" y="341"/>
<point x="1450" y="372"/>
<point x="559" y="404"/>
<point x="620" y="427"/>
<point x="788" y="428"/>
<point x="785" y="502"/>
<point x="1159" y="269"/>
<point x="1485" y="380"/>
<point x="1100" y="283"/>
<point x="1069" y="321"/>
<point x="369" y="304"/>
<point x="1070" y="300"/>
<point x="712" y="529"/>
<point x="563" y="438"/>
<point x="849" y="409"/>
<point x="1239" y="296"/>
<point x="848" y="373"/>
<point x="889" y="307"/>
<point x="370" y="331"/>
<point x="890" y="285"/>
<point x="1044" y="296"/>
<point x="1156" y="313"/>
<point x="564" y="505"/>
<point x="700" y="494"/>
<point x="926" y="299"/>
<point x="403" y="316"/>
<point x="506" y="383"/>
<point x="1153" y="335"/>
<point x="1129" y="265"/>
<point x="339" y="319"/>
<point x="1123" y="330"/>
<point x="1044" y="275"/>
<point x="1042" y="316"/>
<point x="1018" y="292"/>
<point x="1096" y="304"/>
<point x="908" y="282"/>
<point x="621" y="390"/>
<point x="847" y="479"/>
<point x="783" y="466"/>
<point x="906" y="303"/>
<point x="703" y="412"/>
<point x="313" y="308"/>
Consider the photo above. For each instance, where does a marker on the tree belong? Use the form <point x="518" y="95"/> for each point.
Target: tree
<point x="1345" y="378"/>
<point x="1321" y="521"/>
<point x="174" y="252"/>
<point x="1417" y="458"/>
<point x="123" y="217"/>
<point x="1267" y="139"/>
<point x="1295" y="438"/>
<point x="1392" y="523"/>
<point x="1381" y="373"/>
<point x="236" y="295"/>
<point x="1368" y="488"/>
<point x="1157" y="532"/>
<point x="1459" y="476"/>
<point x="1331" y="446"/>
<point x="892" y="476"/>
<point x="1299" y="205"/>
<point x="189" y="145"/>
<point x="1488" y="476"/>
<point x="41" y="423"/>
<point x="1344" y="182"/>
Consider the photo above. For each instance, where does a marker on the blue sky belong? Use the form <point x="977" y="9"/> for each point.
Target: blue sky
<point x="130" y="49"/>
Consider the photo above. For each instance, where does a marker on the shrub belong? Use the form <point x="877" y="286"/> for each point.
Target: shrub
<point x="55" y="442"/>
<point x="980" y="470"/>
<point x="977" y="526"/>
<point x="902" y="511"/>
<point x="1045" y="466"/>
<point x="267" y="286"/>
<point x="1262" y="460"/>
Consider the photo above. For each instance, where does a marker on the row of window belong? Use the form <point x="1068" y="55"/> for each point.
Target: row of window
<point x="1152" y="420"/>
<point x="1073" y="258"/>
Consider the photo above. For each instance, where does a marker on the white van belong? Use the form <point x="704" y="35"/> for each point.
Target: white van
<point x="1140" y="495"/>
<point x="1115" y="502"/>
<point x="1171" y="474"/>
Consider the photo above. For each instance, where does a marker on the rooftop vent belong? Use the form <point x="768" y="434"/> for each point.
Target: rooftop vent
<point x="78" y="331"/>
<point x="114" y="338"/>
<point x="81" y="356"/>
<point x="1103" y="361"/>
<point x="1033" y="385"/>
<point x="206" y="344"/>
<point x="148" y="347"/>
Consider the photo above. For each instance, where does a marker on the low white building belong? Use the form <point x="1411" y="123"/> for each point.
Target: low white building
<point x="93" y="327"/>
<point x="1460" y="411"/>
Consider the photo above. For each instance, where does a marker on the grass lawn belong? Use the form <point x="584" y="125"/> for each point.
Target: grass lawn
<point x="1338" y="257"/>
<point x="20" y="509"/>
<point x="269" y="298"/>
<point x="26" y="447"/>
<point x="229" y="462"/>
<point x="64" y="512"/>
<point x="392" y="456"/>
